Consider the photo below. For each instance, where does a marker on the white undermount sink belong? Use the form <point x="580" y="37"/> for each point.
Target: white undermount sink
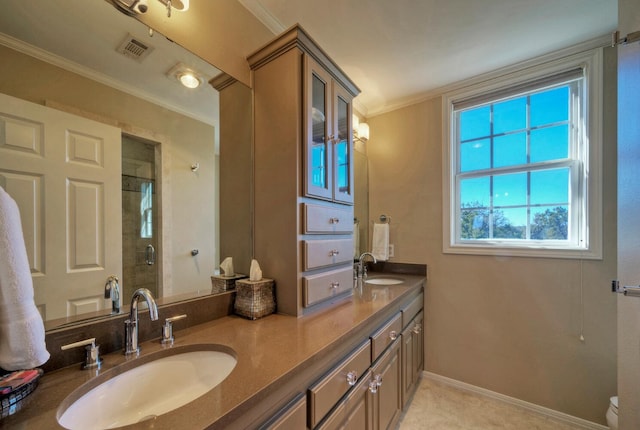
<point x="156" y="386"/>
<point x="384" y="281"/>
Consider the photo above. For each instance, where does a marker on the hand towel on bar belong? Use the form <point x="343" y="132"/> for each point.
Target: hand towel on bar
<point x="356" y="240"/>
<point x="22" y="344"/>
<point x="380" y="243"/>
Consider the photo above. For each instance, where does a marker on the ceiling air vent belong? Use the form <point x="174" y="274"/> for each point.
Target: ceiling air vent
<point x="134" y="48"/>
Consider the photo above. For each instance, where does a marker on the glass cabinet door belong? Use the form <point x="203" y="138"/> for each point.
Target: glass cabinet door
<point x="319" y="180"/>
<point x="343" y="147"/>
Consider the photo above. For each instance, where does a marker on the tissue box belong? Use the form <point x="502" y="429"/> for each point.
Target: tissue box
<point x="220" y="283"/>
<point x="255" y="299"/>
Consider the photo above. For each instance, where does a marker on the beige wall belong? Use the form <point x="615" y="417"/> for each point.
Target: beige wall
<point x="507" y="324"/>
<point x="193" y="215"/>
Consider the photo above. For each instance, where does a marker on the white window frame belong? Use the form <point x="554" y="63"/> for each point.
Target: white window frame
<point x="589" y="242"/>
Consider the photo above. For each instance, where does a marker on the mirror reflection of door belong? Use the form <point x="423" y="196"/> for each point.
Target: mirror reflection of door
<point x="139" y="217"/>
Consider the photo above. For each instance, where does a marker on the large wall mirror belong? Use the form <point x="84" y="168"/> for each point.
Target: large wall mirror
<point x="158" y="228"/>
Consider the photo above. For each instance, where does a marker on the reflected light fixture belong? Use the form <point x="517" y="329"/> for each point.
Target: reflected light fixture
<point x="186" y="76"/>
<point x="135" y="7"/>
<point x="179" y="5"/>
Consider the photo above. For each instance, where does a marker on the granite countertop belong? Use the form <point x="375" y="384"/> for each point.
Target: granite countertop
<point x="261" y="367"/>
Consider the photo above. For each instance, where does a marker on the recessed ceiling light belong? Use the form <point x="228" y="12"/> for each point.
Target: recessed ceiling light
<point x="186" y="76"/>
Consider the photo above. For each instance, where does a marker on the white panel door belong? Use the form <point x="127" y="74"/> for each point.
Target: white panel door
<point x="629" y="217"/>
<point x="64" y="172"/>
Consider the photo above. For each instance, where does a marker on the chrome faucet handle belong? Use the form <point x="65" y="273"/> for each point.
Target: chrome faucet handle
<point x="167" y="329"/>
<point x="92" y="358"/>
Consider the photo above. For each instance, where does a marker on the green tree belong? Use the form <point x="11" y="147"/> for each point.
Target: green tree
<point x="474" y="223"/>
<point x="550" y="224"/>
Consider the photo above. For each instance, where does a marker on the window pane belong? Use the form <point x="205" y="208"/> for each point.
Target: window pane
<point x="510" y="223"/>
<point x="475" y="123"/>
<point x="510" y="115"/>
<point x="510" y="150"/>
<point x="550" y="187"/>
<point x="550" y="106"/>
<point x="342" y="155"/>
<point x="475" y="155"/>
<point x="551" y="143"/>
<point x="475" y="192"/>
<point x="549" y="223"/>
<point x="474" y="224"/>
<point x="510" y="190"/>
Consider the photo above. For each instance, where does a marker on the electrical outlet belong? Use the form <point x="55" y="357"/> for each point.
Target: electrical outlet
<point x="392" y="250"/>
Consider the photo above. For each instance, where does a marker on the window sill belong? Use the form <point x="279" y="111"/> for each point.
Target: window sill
<point x="520" y="251"/>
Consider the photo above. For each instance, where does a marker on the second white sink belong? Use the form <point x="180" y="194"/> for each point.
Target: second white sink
<point x="384" y="281"/>
<point x="148" y="390"/>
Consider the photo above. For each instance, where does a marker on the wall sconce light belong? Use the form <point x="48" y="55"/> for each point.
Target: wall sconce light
<point x="363" y="131"/>
<point x="186" y="76"/>
<point x="360" y="130"/>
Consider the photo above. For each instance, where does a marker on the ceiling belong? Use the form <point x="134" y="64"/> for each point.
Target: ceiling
<point x="398" y="52"/>
<point x="401" y="51"/>
<point x="83" y="36"/>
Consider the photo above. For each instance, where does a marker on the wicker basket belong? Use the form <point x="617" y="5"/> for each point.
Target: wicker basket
<point x="255" y="299"/>
<point x="220" y="283"/>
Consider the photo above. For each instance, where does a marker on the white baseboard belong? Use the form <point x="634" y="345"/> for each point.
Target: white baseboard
<point x="541" y="410"/>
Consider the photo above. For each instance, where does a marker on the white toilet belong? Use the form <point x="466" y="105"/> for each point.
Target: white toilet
<point x="612" y="413"/>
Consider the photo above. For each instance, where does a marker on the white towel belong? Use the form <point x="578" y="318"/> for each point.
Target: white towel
<point x="356" y="240"/>
<point x="380" y="242"/>
<point x="22" y="344"/>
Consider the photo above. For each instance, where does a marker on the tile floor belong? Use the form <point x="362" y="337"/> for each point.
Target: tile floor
<point x="437" y="406"/>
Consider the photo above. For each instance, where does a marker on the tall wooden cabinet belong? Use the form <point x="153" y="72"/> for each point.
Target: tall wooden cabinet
<point x="303" y="172"/>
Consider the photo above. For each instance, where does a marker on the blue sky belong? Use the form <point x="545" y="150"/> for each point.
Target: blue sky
<point x="515" y="132"/>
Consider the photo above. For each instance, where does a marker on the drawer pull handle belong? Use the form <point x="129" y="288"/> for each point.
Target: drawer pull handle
<point x="334" y="220"/>
<point x="352" y="378"/>
<point x="393" y="335"/>
<point x="417" y="329"/>
<point x="335" y="285"/>
<point x="333" y="252"/>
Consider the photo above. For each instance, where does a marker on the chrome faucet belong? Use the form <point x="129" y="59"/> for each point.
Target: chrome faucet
<point x="362" y="269"/>
<point x="131" y="325"/>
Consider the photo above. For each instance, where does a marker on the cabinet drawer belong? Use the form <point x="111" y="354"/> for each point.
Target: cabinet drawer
<point x="412" y="309"/>
<point x="326" y="285"/>
<point x="384" y="337"/>
<point x="353" y="411"/>
<point x="319" y="219"/>
<point x="326" y="392"/>
<point x="320" y="253"/>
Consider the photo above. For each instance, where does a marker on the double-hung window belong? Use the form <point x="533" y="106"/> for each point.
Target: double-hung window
<point x="521" y="173"/>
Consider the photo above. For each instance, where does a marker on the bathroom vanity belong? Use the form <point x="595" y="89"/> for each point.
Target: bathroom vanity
<point x="353" y="365"/>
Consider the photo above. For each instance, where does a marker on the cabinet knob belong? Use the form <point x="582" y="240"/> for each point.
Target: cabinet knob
<point x="333" y="252"/>
<point x="335" y="285"/>
<point x="352" y="378"/>
<point x="373" y="387"/>
<point x="417" y="328"/>
<point x="375" y="382"/>
<point x="393" y="335"/>
<point x="334" y="220"/>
